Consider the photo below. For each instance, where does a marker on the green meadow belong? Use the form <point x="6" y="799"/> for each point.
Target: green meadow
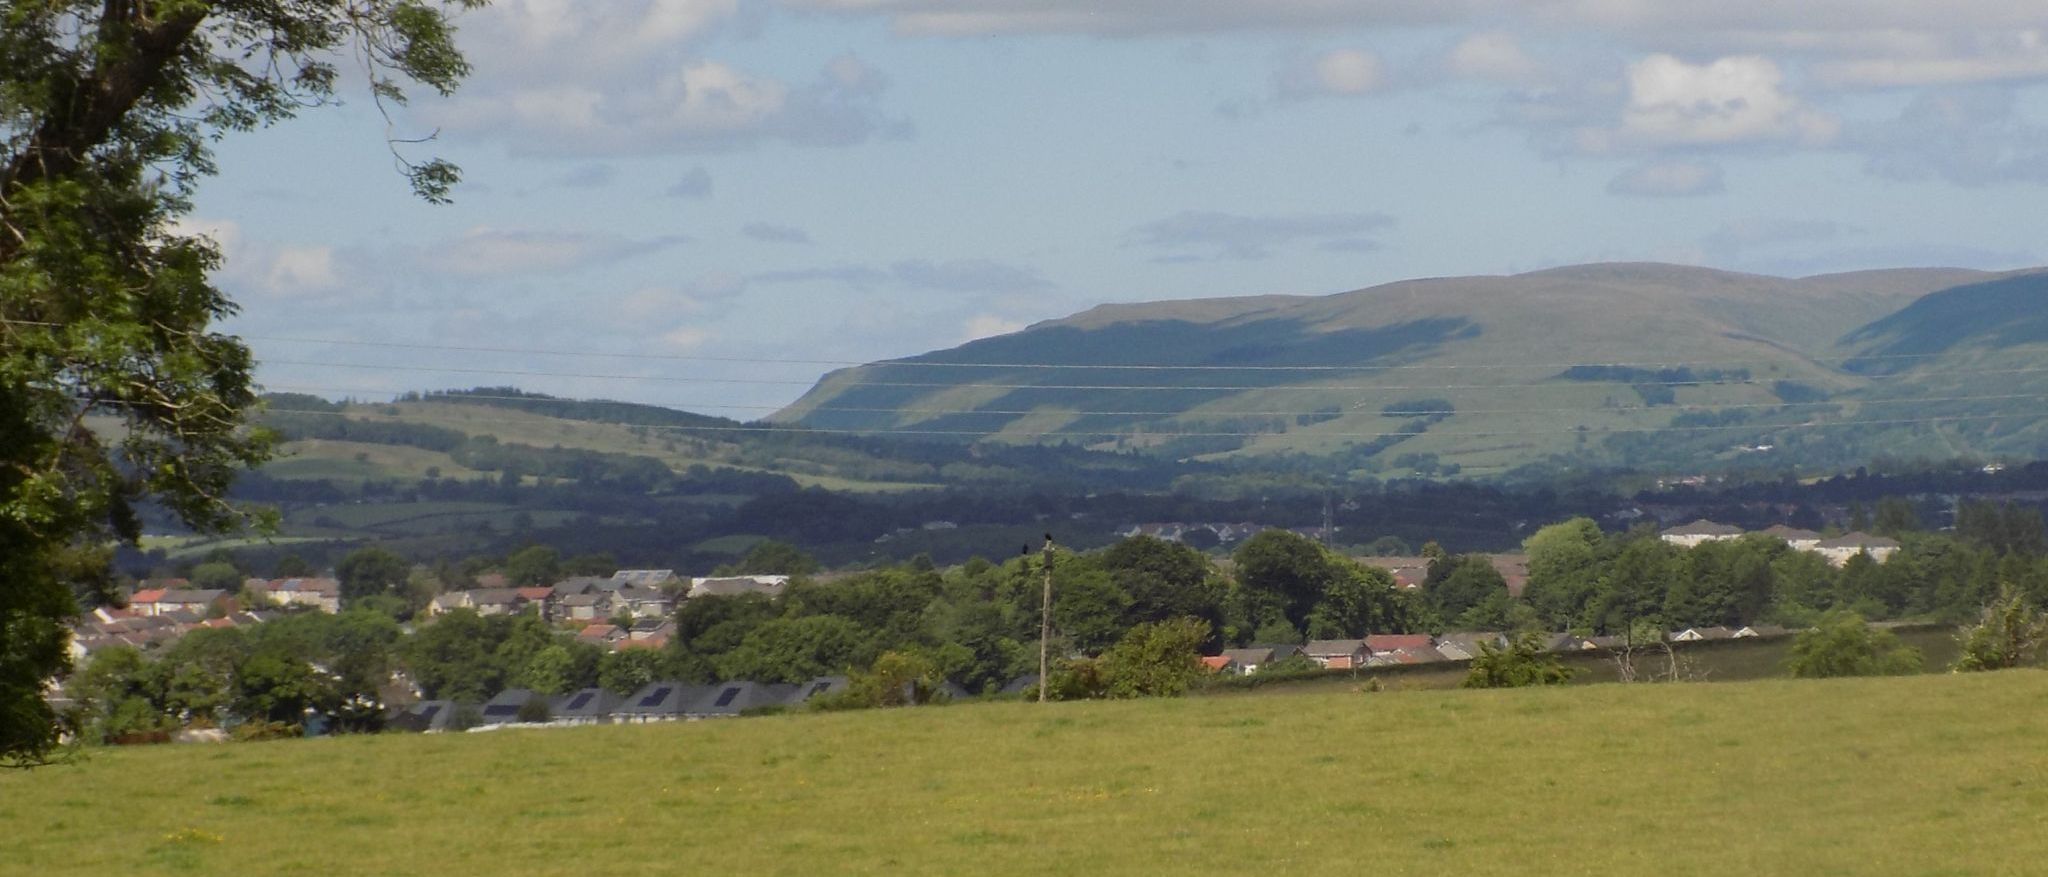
<point x="1935" y="774"/>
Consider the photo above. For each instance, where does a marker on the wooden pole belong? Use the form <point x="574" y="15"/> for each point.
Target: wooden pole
<point x="1045" y="624"/>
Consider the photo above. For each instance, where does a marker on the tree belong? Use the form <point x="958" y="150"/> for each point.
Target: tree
<point x="533" y="565"/>
<point x="1160" y="659"/>
<point x="2008" y="634"/>
<point x="1844" y="645"/>
<point x="1522" y="663"/>
<point x="796" y="649"/>
<point x="217" y="575"/>
<point x="370" y="571"/>
<point x="624" y="672"/>
<point x="895" y="679"/>
<point x="769" y="557"/>
<point x="1359" y="601"/>
<point x="108" y="113"/>
<point x="1286" y="568"/>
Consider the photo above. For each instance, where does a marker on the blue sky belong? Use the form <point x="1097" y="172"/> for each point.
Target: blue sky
<point x="655" y="185"/>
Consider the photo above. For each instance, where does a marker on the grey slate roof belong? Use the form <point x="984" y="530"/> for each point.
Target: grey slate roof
<point x="588" y="703"/>
<point x="730" y="698"/>
<point x="663" y="699"/>
<point x="504" y="709"/>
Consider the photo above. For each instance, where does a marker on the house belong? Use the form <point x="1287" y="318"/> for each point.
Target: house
<point x="1418" y="655"/>
<point x="1466" y="646"/>
<point x="321" y="594"/>
<point x="427" y="717"/>
<point x="644" y="602"/>
<point x="822" y="686"/>
<point x="1219" y="664"/>
<point x="663" y="701"/>
<point x="1839" y="549"/>
<point x="583" y="585"/>
<point x="1689" y="535"/>
<point x="585" y="607"/>
<point x="1394" y="642"/>
<point x="1337" y="654"/>
<point x="646" y="578"/>
<point x="200" y="603"/>
<point x="449" y="602"/>
<point x="1250" y="658"/>
<point x="652" y="628"/>
<point x="589" y="706"/>
<point x="1409" y="572"/>
<point x="1761" y="631"/>
<point x="1701" y="634"/>
<point x="543" y="598"/>
<point x="504" y="709"/>
<point x="496" y="601"/>
<point x="729" y="586"/>
<point x="601" y="635"/>
<point x="728" y="699"/>
<point x="1797" y="539"/>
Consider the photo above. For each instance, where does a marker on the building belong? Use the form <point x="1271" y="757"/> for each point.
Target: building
<point x="1689" y="535"/>
<point x="321" y="594"/>
<point x="1839" y="549"/>
<point x="732" y="586"/>
<point x="1337" y="654"/>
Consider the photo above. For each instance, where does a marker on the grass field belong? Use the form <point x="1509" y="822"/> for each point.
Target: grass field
<point x="1937" y="774"/>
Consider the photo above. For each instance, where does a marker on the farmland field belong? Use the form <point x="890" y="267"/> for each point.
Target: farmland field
<point x="1931" y="774"/>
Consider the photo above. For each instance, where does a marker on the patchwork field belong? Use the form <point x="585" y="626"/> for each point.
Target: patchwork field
<point x="1937" y="774"/>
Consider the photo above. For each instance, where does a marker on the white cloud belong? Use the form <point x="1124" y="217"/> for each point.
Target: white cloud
<point x="1348" y="71"/>
<point x="1493" y="55"/>
<point x="1726" y="102"/>
<point x="299" y="270"/>
<point x="626" y="77"/>
<point x="485" y="251"/>
<point x="1196" y="235"/>
<point x="1668" y="179"/>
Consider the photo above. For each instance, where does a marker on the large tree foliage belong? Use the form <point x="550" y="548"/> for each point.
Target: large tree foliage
<point x="108" y="110"/>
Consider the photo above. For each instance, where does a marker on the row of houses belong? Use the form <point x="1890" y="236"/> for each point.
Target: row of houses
<point x="662" y="701"/>
<point x="635" y="593"/>
<point x="107" y="626"/>
<point x="1837" y="549"/>
<point x="1391" y="649"/>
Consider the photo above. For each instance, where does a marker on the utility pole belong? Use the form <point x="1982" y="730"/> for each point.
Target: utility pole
<point x="1045" y="624"/>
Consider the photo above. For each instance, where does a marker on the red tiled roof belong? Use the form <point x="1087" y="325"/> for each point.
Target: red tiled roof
<point x="1216" y="662"/>
<point x="536" y="593"/>
<point x="147" y="596"/>
<point x="1389" y="642"/>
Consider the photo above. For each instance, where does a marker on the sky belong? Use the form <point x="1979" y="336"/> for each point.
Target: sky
<point x="707" y="204"/>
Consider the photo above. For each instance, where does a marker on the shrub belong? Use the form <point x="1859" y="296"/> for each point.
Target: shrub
<point x="1522" y="663"/>
<point x="1844" y="645"/>
<point x="2008" y="634"/>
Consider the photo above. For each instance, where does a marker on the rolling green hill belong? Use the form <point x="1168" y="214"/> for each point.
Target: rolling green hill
<point x="1936" y="774"/>
<point x="1655" y="366"/>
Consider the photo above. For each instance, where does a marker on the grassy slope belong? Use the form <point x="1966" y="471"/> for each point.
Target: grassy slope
<point x="1932" y="774"/>
<point x="679" y="449"/>
<point x="1589" y="313"/>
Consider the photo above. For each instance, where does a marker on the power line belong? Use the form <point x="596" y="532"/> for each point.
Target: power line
<point x="806" y="430"/>
<point x="1554" y="383"/>
<point x="458" y="397"/>
<point x="902" y="363"/>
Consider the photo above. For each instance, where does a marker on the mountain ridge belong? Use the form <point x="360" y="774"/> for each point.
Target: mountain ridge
<point x="1750" y="348"/>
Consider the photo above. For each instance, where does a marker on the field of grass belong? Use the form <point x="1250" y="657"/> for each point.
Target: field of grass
<point x="1936" y="774"/>
<point x="362" y="461"/>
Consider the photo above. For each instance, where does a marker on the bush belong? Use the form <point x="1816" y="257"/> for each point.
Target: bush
<point x="1845" y="645"/>
<point x="2009" y="634"/>
<point x="1522" y="663"/>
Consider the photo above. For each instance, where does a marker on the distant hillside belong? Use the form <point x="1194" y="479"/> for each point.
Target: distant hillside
<point x="1650" y="365"/>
